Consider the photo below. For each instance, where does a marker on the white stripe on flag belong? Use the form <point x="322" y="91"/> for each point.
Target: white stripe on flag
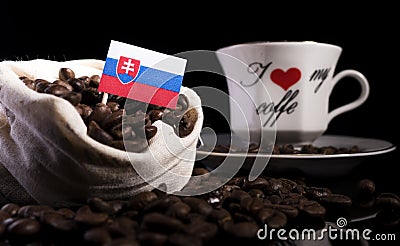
<point x="148" y="58"/>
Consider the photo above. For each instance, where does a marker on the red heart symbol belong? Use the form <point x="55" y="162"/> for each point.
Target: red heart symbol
<point x="286" y="79"/>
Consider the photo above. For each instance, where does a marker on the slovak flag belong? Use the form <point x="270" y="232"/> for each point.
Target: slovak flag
<point x="142" y="74"/>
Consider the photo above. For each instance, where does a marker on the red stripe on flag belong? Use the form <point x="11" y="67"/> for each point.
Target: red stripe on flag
<point x="112" y="85"/>
<point x="154" y="95"/>
<point x="140" y="92"/>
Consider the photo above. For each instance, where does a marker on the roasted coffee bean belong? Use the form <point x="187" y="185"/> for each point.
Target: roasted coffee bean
<point x="161" y="223"/>
<point x="150" y="131"/>
<point x="272" y="217"/>
<point x="180" y="239"/>
<point x="198" y="205"/>
<point x="114" y="106"/>
<point x="84" y="110"/>
<point x="312" y="209"/>
<point x="204" y="230"/>
<point x="112" y="119"/>
<point x="24" y="228"/>
<point x="77" y="84"/>
<point x="57" y="90"/>
<point x="73" y="97"/>
<point x="256" y="193"/>
<point x="57" y="221"/>
<point x="41" y="85"/>
<point x="63" y="83"/>
<point x="242" y="229"/>
<point x="239" y="195"/>
<point x="99" y="134"/>
<point x="97" y="236"/>
<point x="10" y="208"/>
<point x="85" y="79"/>
<point x="90" y="98"/>
<point x="317" y="192"/>
<point x="388" y="201"/>
<point x="122" y="227"/>
<point x="258" y="183"/>
<point x="152" y="238"/>
<point x="336" y="199"/>
<point x="94" y="81"/>
<point x="187" y="122"/>
<point x="29" y="83"/>
<point x="290" y="211"/>
<point x="66" y="74"/>
<point x="66" y="213"/>
<point x="156" y="114"/>
<point x="366" y="187"/>
<point x="33" y="211"/>
<point x="178" y="210"/>
<point x="4" y="215"/>
<point x="85" y="216"/>
<point x="141" y="200"/>
<point x="2" y="230"/>
<point x="99" y="205"/>
<point x="220" y="216"/>
<point x="100" y="112"/>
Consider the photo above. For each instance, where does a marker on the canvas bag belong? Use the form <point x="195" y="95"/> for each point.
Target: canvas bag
<point x="44" y="143"/>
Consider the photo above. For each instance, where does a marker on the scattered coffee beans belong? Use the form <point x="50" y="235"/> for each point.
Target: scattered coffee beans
<point x="232" y="213"/>
<point x="112" y="124"/>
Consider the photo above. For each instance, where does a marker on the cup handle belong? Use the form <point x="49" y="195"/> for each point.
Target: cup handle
<point x="360" y="100"/>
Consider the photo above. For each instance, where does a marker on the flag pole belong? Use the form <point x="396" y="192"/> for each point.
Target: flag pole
<point x="104" y="98"/>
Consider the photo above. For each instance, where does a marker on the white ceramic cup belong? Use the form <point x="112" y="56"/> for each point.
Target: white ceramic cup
<point x="284" y="87"/>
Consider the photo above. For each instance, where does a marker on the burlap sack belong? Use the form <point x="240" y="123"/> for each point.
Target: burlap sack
<point x="44" y="143"/>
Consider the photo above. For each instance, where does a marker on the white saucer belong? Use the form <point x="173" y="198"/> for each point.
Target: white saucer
<point x="310" y="164"/>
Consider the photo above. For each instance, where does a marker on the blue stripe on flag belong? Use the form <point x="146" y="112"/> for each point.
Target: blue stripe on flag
<point x="148" y="76"/>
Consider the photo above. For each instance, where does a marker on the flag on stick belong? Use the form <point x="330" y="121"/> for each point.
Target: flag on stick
<point x="142" y="74"/>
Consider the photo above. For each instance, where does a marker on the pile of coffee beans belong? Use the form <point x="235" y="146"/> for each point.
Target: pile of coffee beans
<point x="231" y="214"/>
<point x="290" y="149"/>
<point x="121" y="123"/>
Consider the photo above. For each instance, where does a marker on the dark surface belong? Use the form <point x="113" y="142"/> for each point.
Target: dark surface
<point x="368" y="35"/>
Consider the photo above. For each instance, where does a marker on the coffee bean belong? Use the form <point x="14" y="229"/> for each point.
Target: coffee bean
<point x="242" y="229"/>
<point x="312" y="209"/>
<point x="85" y="216"/>
<point x="29" y="83"/>
<point x="366" y="187"/>
<point x="388" y="201"/>
<point x="65" y="74"/>
<point x="220" y="216"/>
<point x="100" y="113"/>
<point x="98" y="236"/>
<point x="77" y="84"/>
<point x="94" y="80"/>
<point x="178" y="210"/>
<point x="33" y="211"/>
<point x="187" y="122"/>
<point x="4" y="215"/>
<point x="179" y="239"/>
<point x="99" y="134"/>
<point x="73" y="97"/>
<point x="123" y="242"/>
<point x="150" y="131"/>
<point x="41" y="85"/>
<point x="11" y="208"/>
<point x="24" y="227"/>
<point x="204" y="230"/>
<point x="156" y="114"/>
<point x="114" y="106"/>
<point x="122" y="227"/>
<point x="141" y="200"/>
<point x="152" y="238"/>
<point x="198" y="205"/>
<point x="161" y="223"/>
<point x="258" y="183"/>
<point x="336" y="199"/>
<point x="57" y="221"/>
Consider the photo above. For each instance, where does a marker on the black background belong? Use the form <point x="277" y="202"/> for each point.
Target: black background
<point x="368" y="34"/>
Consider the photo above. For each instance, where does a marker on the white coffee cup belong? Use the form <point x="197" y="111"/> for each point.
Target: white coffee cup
<point x="284" y="87"/>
